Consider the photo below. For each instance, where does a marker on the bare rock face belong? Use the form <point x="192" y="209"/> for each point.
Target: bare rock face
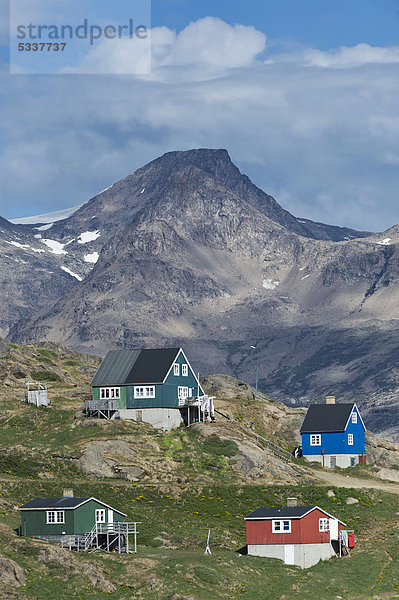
<point x="110" y="458"/>
<point x="187" y="251"/>
<point x="11" y="573"/>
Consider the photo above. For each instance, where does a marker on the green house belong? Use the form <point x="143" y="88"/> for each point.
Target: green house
<point x="157" y="386"/>
<point x="53" y="518"/>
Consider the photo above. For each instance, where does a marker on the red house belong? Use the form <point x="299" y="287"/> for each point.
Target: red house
<point x="298" y="535"/>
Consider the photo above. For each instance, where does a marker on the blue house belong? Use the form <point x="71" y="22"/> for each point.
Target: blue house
<point x="334" y="434"/>
<point x="157" y="386"/>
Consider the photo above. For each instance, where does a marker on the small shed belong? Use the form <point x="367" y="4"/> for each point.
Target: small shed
<point x="334" y="434"/>
<point x="297" y="535"/>
<point x="53" y="518"/>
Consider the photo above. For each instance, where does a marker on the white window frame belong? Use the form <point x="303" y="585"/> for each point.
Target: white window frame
<point x="54" y="517"/>
<point x="176" y="369"/>
<point x="278" y="526"/>
<point x="354" y="417"/>
<point x="100" y="515"/>
<point x="350" y="439"/>
<point x="182" y="393"/>
<point x="110" y="393"/>
<point x="315" y="439"/>
<point x="144" y="391"/>
<point x="324" y="524"/>
<point x="184" y="370"/>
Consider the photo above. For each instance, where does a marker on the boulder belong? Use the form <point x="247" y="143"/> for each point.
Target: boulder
<point x="11" y="573"/>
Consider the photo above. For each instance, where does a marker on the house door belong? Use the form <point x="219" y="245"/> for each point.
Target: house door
<point x="289" y="554"/>
<point x="110" y="516"/>
<point x="333" y="461"/>
<point x="333" y="529"/>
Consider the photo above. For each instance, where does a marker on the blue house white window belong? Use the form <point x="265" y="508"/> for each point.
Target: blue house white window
<point x="184" y="370"/>
<point x="354" y="417"/>
<point x="350" y="439"/>
<point x="176" y="369"/>
<point x="315" y="439"/>
<point x="281" y="526"/>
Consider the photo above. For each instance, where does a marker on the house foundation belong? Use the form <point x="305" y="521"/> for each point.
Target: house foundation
<point x="302" y="555"/>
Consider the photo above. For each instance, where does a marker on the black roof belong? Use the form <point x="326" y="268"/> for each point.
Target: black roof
<point x="324" y="418"/>
<point x="122" y="367"/>
<point x="65" y="502"/>
<point x="280" y="512"/>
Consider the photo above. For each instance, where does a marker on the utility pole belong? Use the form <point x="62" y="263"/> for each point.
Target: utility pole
<point x="257" y="371"/>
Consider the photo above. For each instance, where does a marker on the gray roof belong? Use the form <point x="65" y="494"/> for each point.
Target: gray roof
<point x="123" y="367"/>
<point x="327" y="418"/>
<point x="66" y="502"/>
<point x="280" y="512"/>
<point x="285" y="512"/>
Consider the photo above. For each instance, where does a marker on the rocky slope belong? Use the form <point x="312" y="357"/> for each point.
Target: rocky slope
<point x="188" y="251"/>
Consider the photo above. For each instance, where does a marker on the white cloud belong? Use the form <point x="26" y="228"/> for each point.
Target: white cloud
<point x="348" y="57"/>
<point x="208" y="45"/>
<point x="322" y="140"/>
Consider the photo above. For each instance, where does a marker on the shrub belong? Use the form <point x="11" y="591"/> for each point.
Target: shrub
<point x="206" y="575"/>
<point x="45" y="376"/>
<point x="214" y="445"/>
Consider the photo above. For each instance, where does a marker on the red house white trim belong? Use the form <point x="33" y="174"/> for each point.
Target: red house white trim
<point x="298" y="535"/>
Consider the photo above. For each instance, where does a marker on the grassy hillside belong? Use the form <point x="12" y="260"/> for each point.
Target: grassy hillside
<point x="179" y="485"/>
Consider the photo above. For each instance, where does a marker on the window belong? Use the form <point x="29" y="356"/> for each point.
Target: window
<point x="100" y="515"/>
<point x="182" y="393"/>
<point x="184" y="370"/>
<point x="324" y="525"/>
<point x="55" y="516"/>
<point x="106" y="393"/>
<point x="144" y="391"/>
<point x="354" y="417"/>
<point x="350" y="439"/>
<point x="315" y="440"/>
<point x="281" y="526"/>
<point x="176" y="369"/>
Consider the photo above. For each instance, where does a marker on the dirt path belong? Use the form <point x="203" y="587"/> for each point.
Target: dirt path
<point x="346" y="481"/>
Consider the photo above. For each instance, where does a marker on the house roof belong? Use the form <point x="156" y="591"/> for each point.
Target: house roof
<point x="327" y="418"/>
<point x="123" y="367"/>
<point x="285" y="512"/>
<point x="65" y="503"/>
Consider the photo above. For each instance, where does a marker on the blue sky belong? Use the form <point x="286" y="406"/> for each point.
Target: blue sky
<point x="302" y="94"/>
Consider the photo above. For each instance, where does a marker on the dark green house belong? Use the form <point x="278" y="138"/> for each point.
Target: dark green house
<point x="157" y="386"/>
<point x="52" y="518"/>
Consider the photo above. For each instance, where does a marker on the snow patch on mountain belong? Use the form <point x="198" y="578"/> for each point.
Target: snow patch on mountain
<point x="385" y="242"/>
<point x="55" y="247"/>
<point x="44" y="227"/>
<point x="269" y="284"/>
<point x="91" y="258"/>
<point x="88" y="236"/>
<point x="72" y="274"/>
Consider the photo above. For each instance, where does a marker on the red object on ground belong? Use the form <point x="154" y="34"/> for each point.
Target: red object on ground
<point x="351" y="540"/>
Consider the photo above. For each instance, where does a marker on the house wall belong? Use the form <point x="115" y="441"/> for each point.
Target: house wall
<point x="33" y="523"/>
<point x="77" y="521"/>
<point x="166" y="394"/>
<point x="303" y="531"/>
<point x="337" y="442"/>
<point x="305" y="555"/>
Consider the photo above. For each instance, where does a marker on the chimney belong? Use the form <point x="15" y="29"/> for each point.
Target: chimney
<point x="68" y="493"/>
<point x="330" y="400"/>
<point x="292" y="501"/>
